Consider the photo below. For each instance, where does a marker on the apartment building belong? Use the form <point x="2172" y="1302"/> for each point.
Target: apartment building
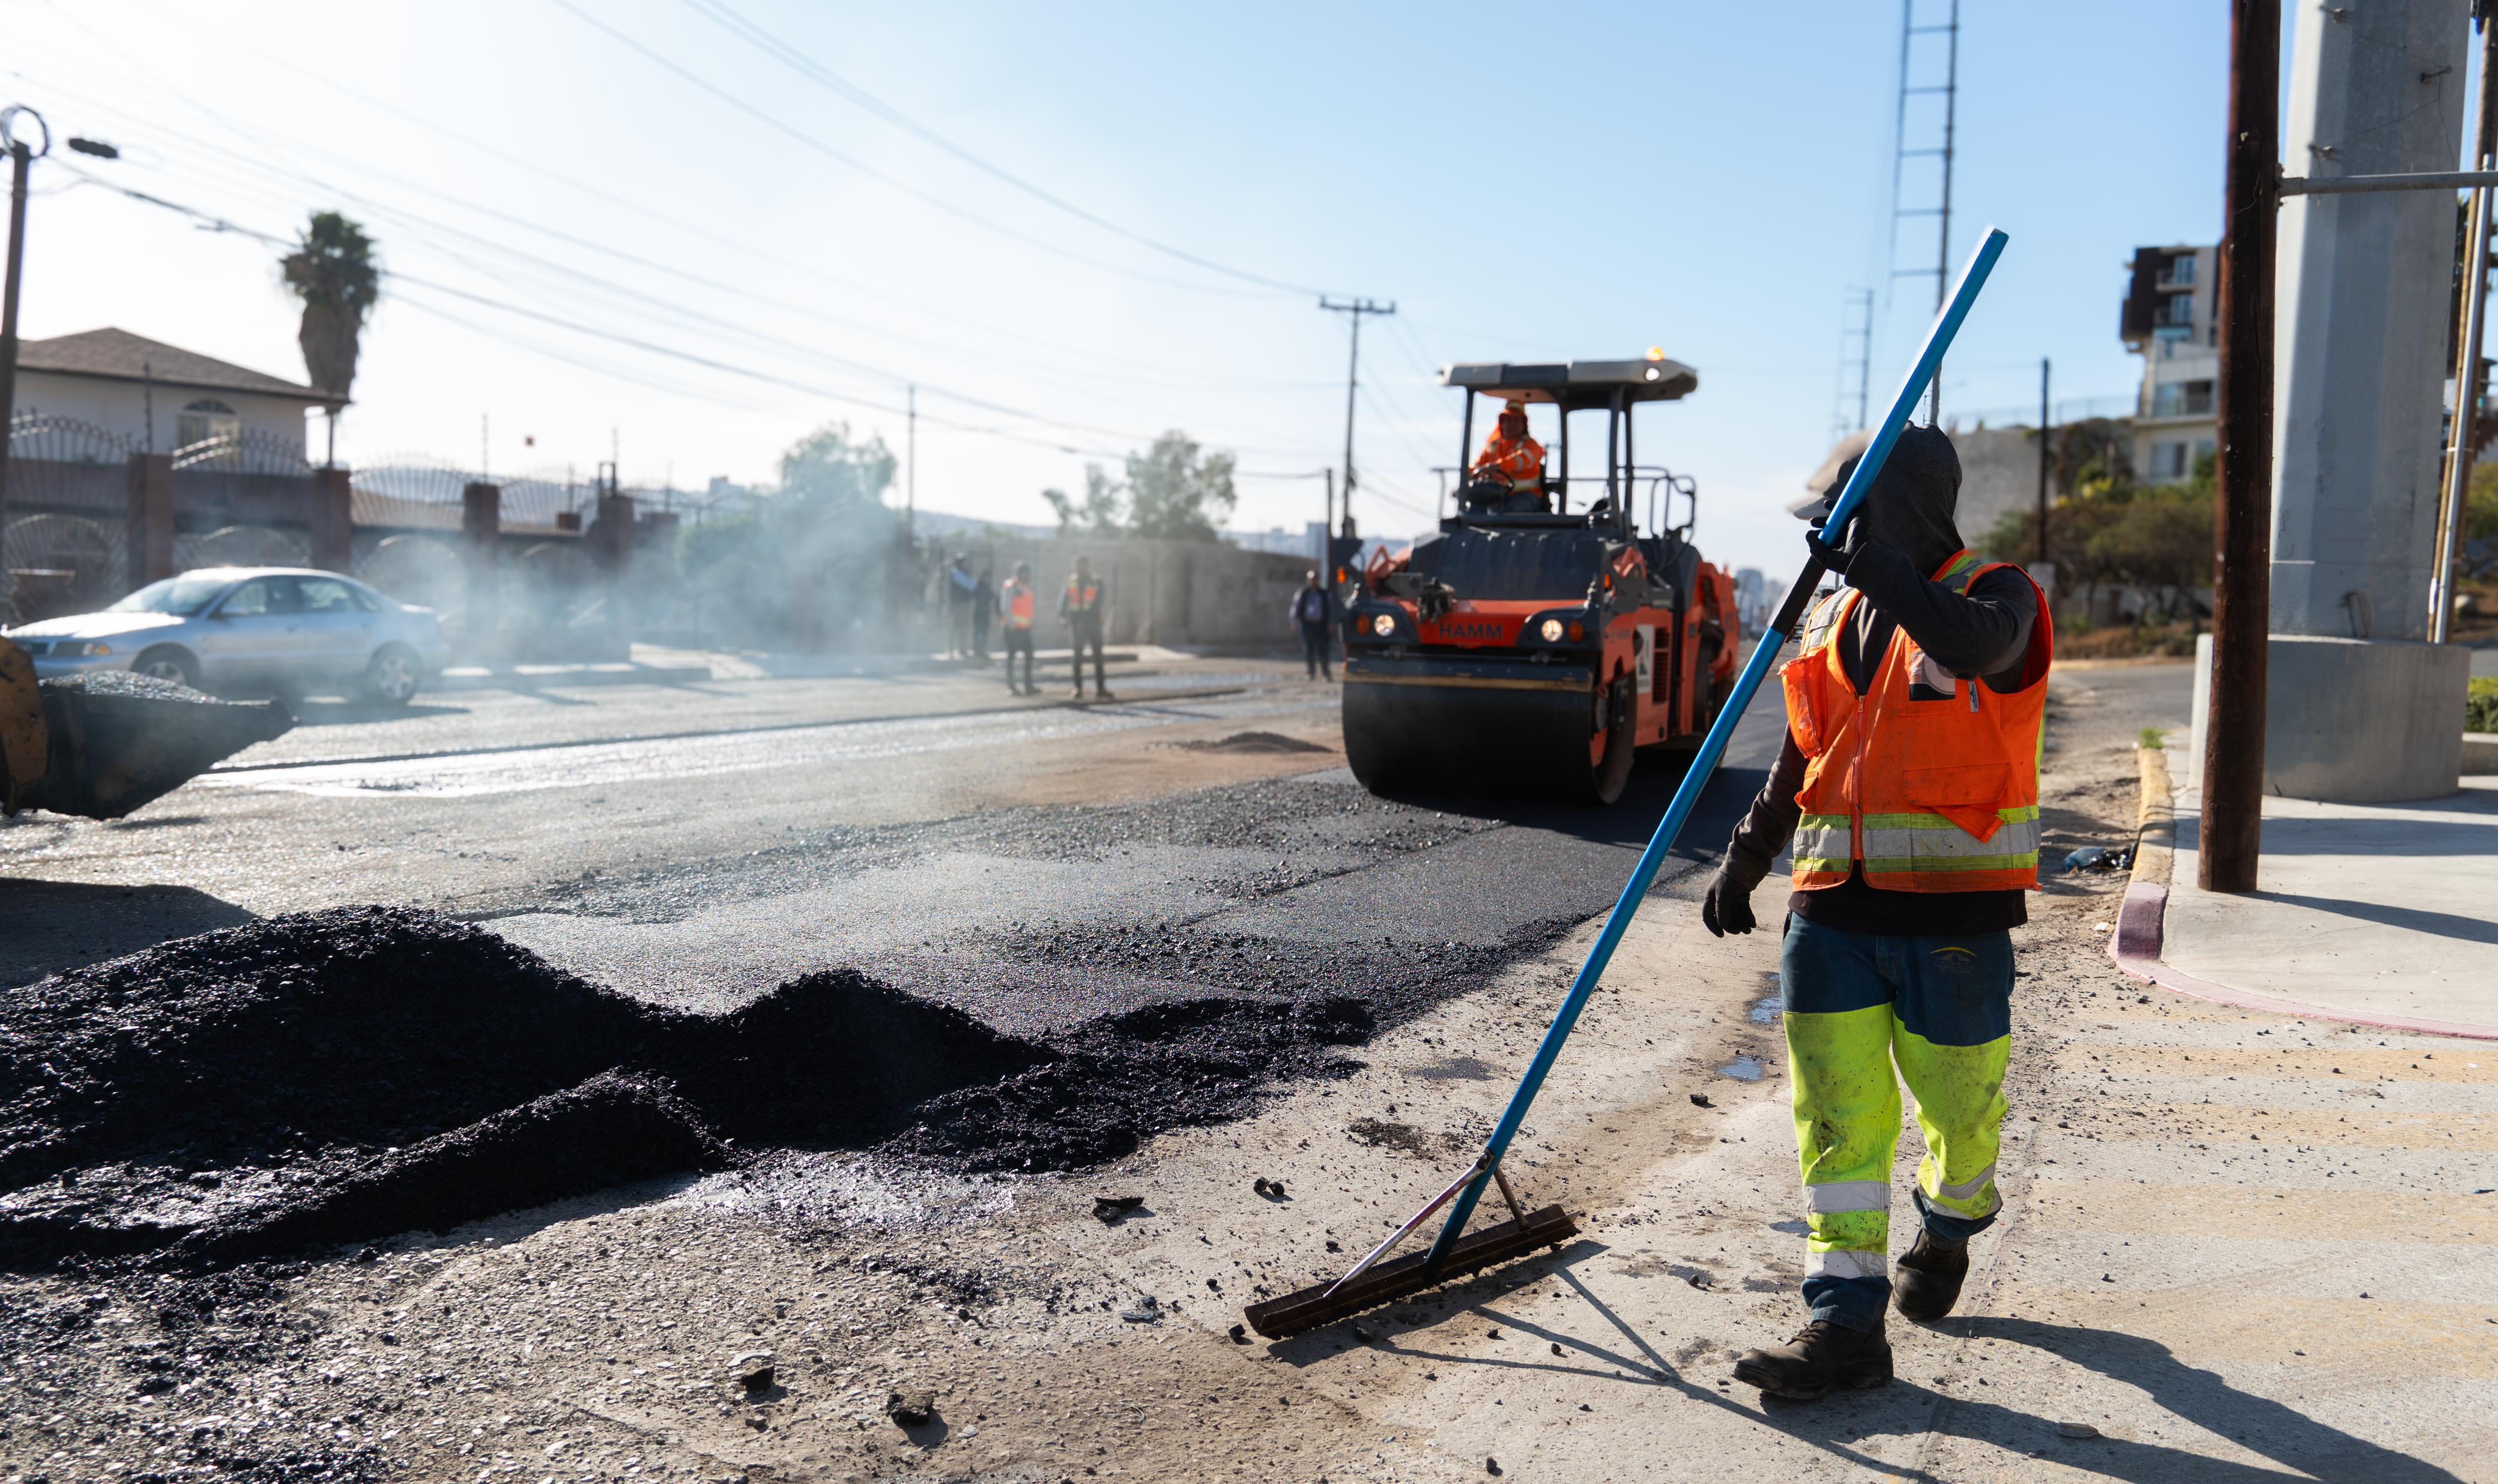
<point x="2171" y="320"/>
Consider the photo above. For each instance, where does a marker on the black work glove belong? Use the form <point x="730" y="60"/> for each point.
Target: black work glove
<point x="1832" y="558"/>
<point x="1727" y="907"/>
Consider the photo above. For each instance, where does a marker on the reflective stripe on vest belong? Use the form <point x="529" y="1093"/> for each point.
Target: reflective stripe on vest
<point x="1938" y="794"/>
<point x="1081" y="599"/>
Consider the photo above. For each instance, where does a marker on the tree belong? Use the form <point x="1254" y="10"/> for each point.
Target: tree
<point x="2157" y="538"/>
<point x="1103" y="512"/>
<point x="829" y="475"/>
<point x="332" y="271"/>
<point x="1177" y="493"/>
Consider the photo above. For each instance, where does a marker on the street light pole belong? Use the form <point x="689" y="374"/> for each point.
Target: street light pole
<point x="2231" y="840"/>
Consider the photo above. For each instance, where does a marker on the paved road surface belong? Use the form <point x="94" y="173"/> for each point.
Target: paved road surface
<point x="700" y="843"/>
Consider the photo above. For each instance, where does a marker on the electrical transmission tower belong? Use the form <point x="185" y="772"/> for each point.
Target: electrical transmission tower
<point x="1922" y="141"/>
<point x="1848" y="404"/>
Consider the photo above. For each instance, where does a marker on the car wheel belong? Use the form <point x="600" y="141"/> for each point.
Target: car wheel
<point x="166" y="663"/>
<point x="393" y="676"/>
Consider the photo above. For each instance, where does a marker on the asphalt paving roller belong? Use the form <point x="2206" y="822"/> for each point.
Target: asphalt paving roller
<point x="103" y="743"/>
<point x="1529" y="647"/>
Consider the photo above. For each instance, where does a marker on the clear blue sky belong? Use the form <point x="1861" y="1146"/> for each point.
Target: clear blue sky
<point x="1524" y="183"/>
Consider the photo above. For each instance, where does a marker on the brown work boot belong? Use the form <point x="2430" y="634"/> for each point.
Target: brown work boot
<point x="1929" y="1279"/>
<point x="1822" y="1358"/>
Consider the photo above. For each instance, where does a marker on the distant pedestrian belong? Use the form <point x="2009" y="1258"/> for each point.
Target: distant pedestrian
<point x="984" y="606"/>
<point x="1080" y="605"/>
<point x="959" y="583"/>
<point x="1312" y="607"/>
<point x="1016" y="603"/>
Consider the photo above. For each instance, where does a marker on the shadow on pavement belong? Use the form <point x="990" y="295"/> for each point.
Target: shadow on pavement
<point x="47" y="927"/>
<point x="2280" y="1433"/>
<point x="2445" y="925"/>
<point x="342" y="714"/>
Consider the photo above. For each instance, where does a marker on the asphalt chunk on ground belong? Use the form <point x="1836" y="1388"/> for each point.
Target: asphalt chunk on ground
<point x="334" y="1077"/>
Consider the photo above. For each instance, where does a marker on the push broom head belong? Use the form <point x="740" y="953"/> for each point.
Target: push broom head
<point x="1293" y="1313"/>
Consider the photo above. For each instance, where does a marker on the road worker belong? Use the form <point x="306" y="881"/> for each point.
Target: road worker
<point x="1080" y="605"/>
<point x="1909" y="786"/>
<point x="1512" y="458"/>
<point x="1015" y="605"/>
<point x="1312" y="609"/>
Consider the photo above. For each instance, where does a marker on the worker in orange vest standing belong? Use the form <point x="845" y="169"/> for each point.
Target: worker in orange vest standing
<point x="1908" y="787"/>
<point x="1512" y="458"/>
<point x="1080" y="605"/>
<point x="1016" y="606"/>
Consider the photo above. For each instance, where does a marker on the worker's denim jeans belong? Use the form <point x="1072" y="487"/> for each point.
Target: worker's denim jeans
<point x="1317" y="640"/>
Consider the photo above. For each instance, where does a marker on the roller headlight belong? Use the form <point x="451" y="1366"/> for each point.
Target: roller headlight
<point x="1551" y="629"/>
<point x="1384" y="624"/>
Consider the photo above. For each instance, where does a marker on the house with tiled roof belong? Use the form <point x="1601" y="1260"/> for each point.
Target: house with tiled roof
<point x="158" y="397"/>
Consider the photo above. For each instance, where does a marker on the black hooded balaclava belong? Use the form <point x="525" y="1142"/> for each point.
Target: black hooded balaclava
<point x="1910" y="507"/>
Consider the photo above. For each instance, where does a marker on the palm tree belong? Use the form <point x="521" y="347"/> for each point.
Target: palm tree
<point x="332" y="271"/>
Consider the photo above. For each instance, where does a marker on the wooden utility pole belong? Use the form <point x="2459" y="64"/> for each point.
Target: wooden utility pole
<point x="1353" y="308"/>
<point x="2231" y="840"/>
<point x="22" y="159"/>
<point x="2045" y="439"/>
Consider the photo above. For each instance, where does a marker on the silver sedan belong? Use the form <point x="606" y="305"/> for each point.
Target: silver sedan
<point x="280" y="630"/>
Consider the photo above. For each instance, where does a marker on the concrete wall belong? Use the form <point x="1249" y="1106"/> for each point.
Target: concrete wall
<point x="2362" y="327"/>
<point x="1999" y="475"/>
<point x="2351" y="720"/>
<point x="1168" y="592"/>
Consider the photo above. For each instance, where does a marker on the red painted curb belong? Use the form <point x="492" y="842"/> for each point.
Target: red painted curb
<point x="2135" y="945"/>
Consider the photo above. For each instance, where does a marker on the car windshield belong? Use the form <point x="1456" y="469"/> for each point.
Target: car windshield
<point x="184" y="595"/>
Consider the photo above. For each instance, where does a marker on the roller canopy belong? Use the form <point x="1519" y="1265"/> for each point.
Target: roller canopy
<point x="1576" y="384"/>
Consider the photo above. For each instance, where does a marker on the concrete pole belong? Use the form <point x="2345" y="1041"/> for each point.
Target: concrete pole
<point x="2359" y="705"/>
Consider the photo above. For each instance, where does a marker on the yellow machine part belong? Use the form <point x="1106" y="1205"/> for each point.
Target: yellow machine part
<point x="25" y="751"/>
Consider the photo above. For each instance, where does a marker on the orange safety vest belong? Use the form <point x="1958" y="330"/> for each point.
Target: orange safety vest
<point x="1930" y="780"/>
<point x="1082" y="598"/>
<point x="1018" y="603"/>
<point x="1521" y="463"/>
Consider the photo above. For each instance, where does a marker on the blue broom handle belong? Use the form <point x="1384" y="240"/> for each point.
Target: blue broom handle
<point x="1713" y="746"/>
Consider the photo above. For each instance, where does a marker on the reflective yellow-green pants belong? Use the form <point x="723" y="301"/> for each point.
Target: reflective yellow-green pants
<point x="1941" y="1009"/>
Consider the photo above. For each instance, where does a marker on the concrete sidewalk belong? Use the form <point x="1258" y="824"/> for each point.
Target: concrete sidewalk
<point x="2377" y="914"/>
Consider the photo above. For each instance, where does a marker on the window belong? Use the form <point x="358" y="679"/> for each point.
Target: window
<point x="2168" y="461"/>
<point x="261" y="597"/>
<point x="206" y="420"/>
<point x="2181" y="399"/>
<point x="184" y="595"/>
<point x="2181" y="272"/>
<point x="326" y="595"/>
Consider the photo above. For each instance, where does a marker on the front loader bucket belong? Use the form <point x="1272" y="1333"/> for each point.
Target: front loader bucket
<point x="118" y="740"/>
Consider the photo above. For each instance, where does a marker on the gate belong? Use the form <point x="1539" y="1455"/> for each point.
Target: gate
<point x="60" y="536"/>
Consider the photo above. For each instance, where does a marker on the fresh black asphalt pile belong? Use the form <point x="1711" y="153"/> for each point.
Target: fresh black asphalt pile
<point x="338" y="1076"/>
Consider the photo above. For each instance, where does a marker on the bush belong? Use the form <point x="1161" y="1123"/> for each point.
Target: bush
<point x="2481" y="705"/>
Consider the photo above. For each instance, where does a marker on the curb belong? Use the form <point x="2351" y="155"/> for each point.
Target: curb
<point x="2141" y="920"/>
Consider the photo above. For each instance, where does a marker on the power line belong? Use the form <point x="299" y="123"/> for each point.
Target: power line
<point x="780" y="126"/>
<point x="987" y="329"/>
<point x="754" y="34"/>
